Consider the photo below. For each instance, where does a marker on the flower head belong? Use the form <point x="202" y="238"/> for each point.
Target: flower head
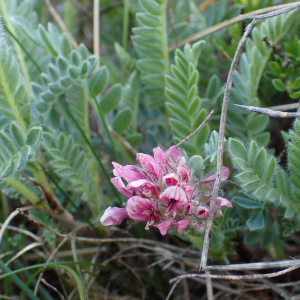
<point x="164" y="192"/>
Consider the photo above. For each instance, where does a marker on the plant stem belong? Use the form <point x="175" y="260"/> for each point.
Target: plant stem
<point x="20" y="56"/>
<point x="89" y="145"/>
<point x="96" y="30"/>
<point x="107" y="129"/>
<point x="125" y="24"/>
<point x="23" y="190"/>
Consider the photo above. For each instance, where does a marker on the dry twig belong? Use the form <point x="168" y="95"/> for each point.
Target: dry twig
<point x="235" y="277"/>
<point x="61" y="23"/>
<point x="199" y="127"/>
<point x="270" y="112"/>
<point x="226" y="23"/>
<point x="228" y="87"/>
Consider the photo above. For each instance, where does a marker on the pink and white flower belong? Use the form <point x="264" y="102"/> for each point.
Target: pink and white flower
<point x="113" y="215"/>
<point x="171" y="179"/>
<point x="164" y="226"/>
<point x="129" y="173"/>
<point x="176" y="197"/>
<point x="144" y="188"/>
<point x="182" y="224"/>
<point x="150" y="165"/>
<point x="142" y="209"/>
<point x="202" y="212"/>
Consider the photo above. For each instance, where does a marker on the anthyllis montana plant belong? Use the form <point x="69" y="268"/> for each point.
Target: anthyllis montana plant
<point x="164" y="192"/>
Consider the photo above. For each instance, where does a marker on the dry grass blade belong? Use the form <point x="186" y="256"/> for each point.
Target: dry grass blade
<point x="53" y="288"/>
<point x="27" y="248"/>
<point x="217" y="27"/>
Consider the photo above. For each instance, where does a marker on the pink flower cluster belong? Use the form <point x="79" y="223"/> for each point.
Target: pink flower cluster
<point x="163" y="192"/>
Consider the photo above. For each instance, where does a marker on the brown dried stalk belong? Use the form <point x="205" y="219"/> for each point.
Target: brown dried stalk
<point x="227" y="92"/>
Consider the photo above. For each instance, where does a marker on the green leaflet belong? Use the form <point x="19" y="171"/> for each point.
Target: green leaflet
<point x="68" y="161"/>
<point x="68" y="75"/>
<point x="251" y="67"/>
<point x="11" y="99"/>
<point x="293" y="158"/>
<point x="150" y="40"/>
<point x="184" y="103"/>
<point x="17" y="149"/>
<point x="261" y="177"/>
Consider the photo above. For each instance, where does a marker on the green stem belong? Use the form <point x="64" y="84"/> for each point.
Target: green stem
<point x="23" y="190"/>
<point x="164" y="38"/>
<point x="125" y="24"/>
<point x="89" y="145"/>
<point x="11" y="102"/>
<point x="20" y="56"/>
<point x="24" y="49"/>
<point x="106" y="129"/>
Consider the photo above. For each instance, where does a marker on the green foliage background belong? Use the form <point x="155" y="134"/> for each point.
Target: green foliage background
<point x="65" y="114"/>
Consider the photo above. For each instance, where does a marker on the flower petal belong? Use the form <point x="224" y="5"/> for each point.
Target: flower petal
<point x="149" y="164"/>
<point x="183" y="173"/>
<point x="113" y="215"/>
<point x="188" y="209"/>
<point x="175" y="193"/>
<point x="225" y="175"/>
<point x="187" y="188"/>
<point x="223" y="202"/>
<point x="174" y="153"/>
<point x="129" y="173"/>
<point x="171" y="179"/>
<point x="182" y="224"/>
<point x="164" y="226"/>
<point x="160" y="156"/>
<point x="141" y="209"/>
<point x="202" y="212"/>
<point x="199" y="226"/>
<point x="145" y="187"/>
<point x="120" y="186"/>
<point x="175" y="197"/>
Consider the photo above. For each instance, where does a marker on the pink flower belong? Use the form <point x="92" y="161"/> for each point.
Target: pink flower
<point x="160" y="156"/>
<point x="150" y="165"/>
<point x="199" y="226"/>
<point x="222" y="202"/>
<point x="129" y="173"/>
<point x="187" y="209"/>
<point x="182" y="224"/>
<point x="175" y="197"/>
<point x="225" y="175"/>
<point x="171" y="179"/>
<point x="164" y="226"/>
<point x="202" y="212"/>
<point x="187" y="188"/>
<point x="120" y="186"/>
<point x="174" y="153"/>
<point x="183" y="173"/>
<point x="142" y="209"/>
<point x="144" y="187"/>
<point x="113" y="215"/>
